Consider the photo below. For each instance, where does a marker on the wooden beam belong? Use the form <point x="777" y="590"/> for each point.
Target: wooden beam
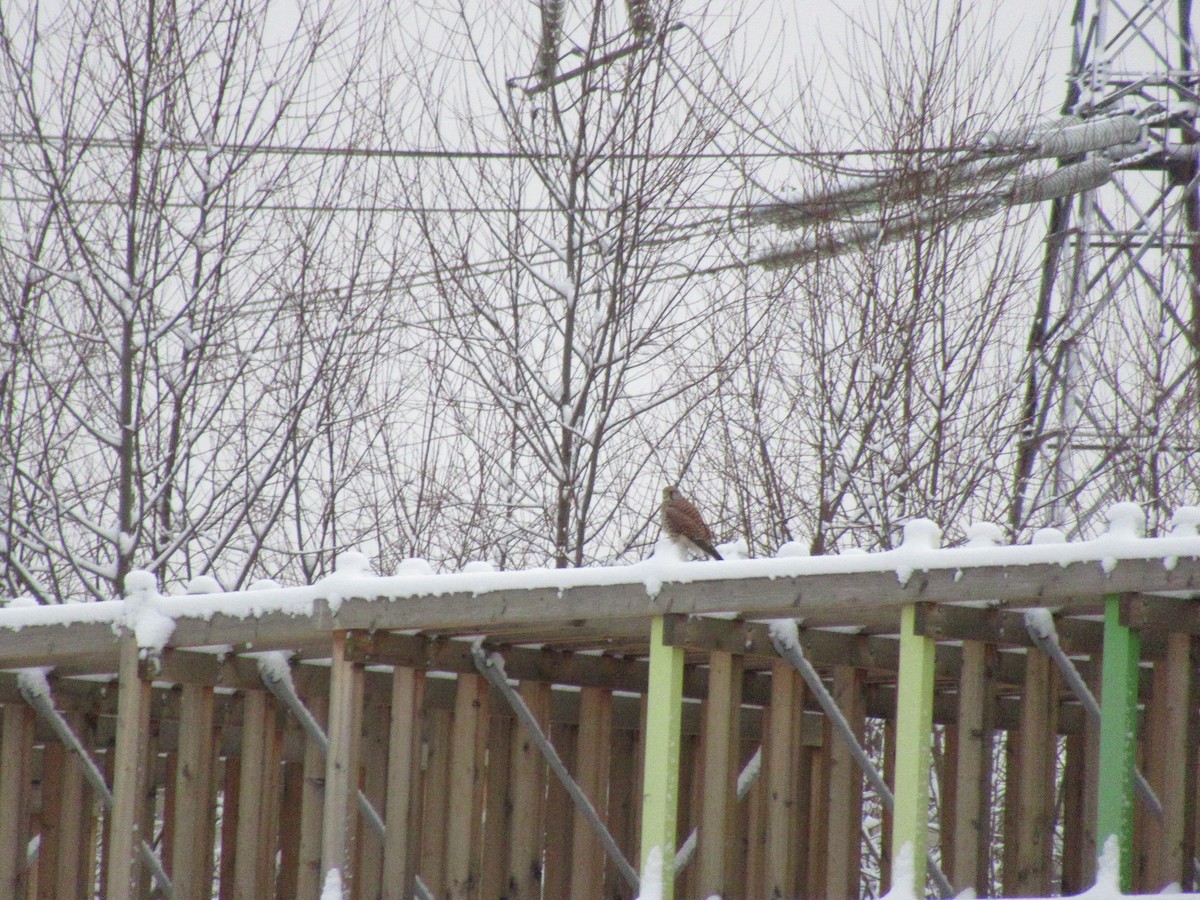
<point x="914" y="726"/>
<point x="1170" y="614"/>
<point x="866" y="597"/>
<point x="1118" y="745"/>
<point x="128" y="828"/>
<point x="660" y="779"/>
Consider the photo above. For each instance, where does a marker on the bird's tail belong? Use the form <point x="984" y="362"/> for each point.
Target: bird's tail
<point x="708" y="548"/>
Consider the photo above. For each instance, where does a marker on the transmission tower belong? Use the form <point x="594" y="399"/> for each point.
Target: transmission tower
<point x="1114" y="349"/>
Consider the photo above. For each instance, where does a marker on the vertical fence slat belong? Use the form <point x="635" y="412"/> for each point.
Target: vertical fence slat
<point x="494" y="870"/>
<point x="528" y="798"/>
<point x="250" y="829"/>
<point x="341" y="763"/>
<point x="1034" y="783"/>
<point x="846" y="789"/>
<point x="127" y="829"/>
<point x="971" y="838"/>
<point x="592" y="773"/>
<point x="560" y="813"/>
<point x="467" y="784"/>
<point x="191" y="858"/>
<point x="16" y="763"/>
<point x="1118" y="724"/>
<point x="1164" y="843"/>
<point x="914" y="723"/>
<point x="722" y="749"/>
<point x="780" y="750"/>
<point x="432" y="865"/>
<point x="312" y="805"/>
<point x="374" y="765"/>
<point x="404" y="784"/>
<point x="660" y="779"/>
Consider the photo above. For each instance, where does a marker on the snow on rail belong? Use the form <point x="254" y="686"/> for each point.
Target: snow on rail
<point x="652" y="586"/>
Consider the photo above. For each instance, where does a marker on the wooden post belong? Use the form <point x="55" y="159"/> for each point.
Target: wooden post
<point x="914" y="724"/>
<point x="974" y="768"/>
<point x="127" y="829"/>
<point x="660" y="780"/>
<point x="1118" y="745"/>
<point x="403" y="816"/>
<point x="718" y="837"/>
<point x="191" y="857"/>
<point x="843" y="871"/>
<point x="16" y="773"/>
<point x="592" y="757"/>
<point x="341" y="765"/>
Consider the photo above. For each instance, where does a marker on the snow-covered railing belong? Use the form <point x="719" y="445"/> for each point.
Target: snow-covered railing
<point x="861" y="588"/>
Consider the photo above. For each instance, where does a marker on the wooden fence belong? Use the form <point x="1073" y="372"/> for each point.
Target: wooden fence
<point x="387" y="754"/>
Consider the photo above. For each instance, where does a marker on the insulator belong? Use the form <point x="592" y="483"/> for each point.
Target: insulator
<point x="1092" y="134"/>
<point x="1073" y="179"/>
<point x="641" y="17"/>
<point x="552" y="18"/>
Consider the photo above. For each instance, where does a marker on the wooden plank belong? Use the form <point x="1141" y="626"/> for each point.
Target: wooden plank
<point x="971" y="834"/>
<point x="1164" y="842"/>
<point x="53" y="819"/>
<point x="1170" y="614"/>
<point x="1074" y="787"/>
<point x="846" y="597"/>
<point x="342" y="762"/>
<point x="291" y="813"/>
<point x="592" y="774"/>
<point x="435" y="801"/>
<point x="16" y="774"/>
<point x="528" y="792"/>
<point x="312" y="802"/>
<point x="494" y="870"/>
<point x="722" y="749"/>
<point x="467" y="775"/>
<point x="403" y="810"/>
<point x="660" y="769"/>
<point x="914" y="725"/>
<point x="369" y="883"/>
<point x="843" y="871"/>
<point x="250" y="836"/>
<point x="1035" y="782"/>
<point x="128" y="829"/>
<point x="75" y="858"/>
<point x="817" y="825"/>
<point x="625" y="801"/>
<point x="191" y="856"/>
<point x="230" y="784"/>
<point x="780" y="751"/>
<point x="1118" y="725"/>
<point x="560" y="814"/>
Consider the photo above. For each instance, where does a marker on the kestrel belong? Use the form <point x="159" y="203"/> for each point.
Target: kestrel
<point x="681" y="520"/>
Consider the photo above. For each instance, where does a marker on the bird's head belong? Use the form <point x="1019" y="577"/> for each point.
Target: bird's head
<point x="670" y="492"/>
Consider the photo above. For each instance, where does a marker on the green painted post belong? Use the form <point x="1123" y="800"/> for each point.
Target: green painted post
<point x="660" y="782"/>
<point x="1118" y="736"/>
<point x="914" y="726"/>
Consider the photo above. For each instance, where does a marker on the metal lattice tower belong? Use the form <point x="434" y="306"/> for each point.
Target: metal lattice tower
<point x="1113" y="383"/>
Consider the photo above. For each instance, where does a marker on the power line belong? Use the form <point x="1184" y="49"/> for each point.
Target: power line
<point x="243" y="149"/>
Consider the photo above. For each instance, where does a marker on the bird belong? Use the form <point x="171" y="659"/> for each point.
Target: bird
<point x="681" y="520"/>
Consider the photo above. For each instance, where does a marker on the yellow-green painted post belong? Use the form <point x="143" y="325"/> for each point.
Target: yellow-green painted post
<point x="914" y="726"/>
<point x="1118" y="736"/>
<point x="660" y="792"/>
